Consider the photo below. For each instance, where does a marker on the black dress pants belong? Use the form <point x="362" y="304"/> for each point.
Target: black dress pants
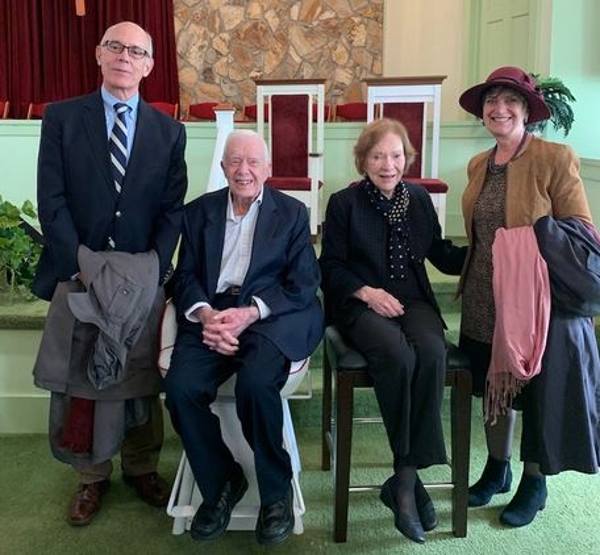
<point x="407" y="361"/>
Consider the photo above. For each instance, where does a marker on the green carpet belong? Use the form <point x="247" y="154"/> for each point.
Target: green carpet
<point x="34" y="490"/>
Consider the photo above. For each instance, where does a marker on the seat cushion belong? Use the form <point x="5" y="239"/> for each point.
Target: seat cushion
<point x="455" y="358"/>
<point x="349" y="359"/>
<point x="251" y="112"/>
<point x="289" y="183"/>
<point x="352" y="111"/>
<point x="432" y="185"/>
<point x="203" y="110"/>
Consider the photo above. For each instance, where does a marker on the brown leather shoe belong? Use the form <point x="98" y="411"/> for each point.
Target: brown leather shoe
<point x="85" y="503"/>
<point x="151" y="488"/>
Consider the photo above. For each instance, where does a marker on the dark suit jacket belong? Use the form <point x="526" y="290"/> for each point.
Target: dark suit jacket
<point x="355" y="244"/>
<point x="283" y="269"/>
<point x="77" y="200"/>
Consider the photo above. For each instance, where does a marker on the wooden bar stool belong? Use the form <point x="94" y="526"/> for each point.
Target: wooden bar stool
<point x="344" y="370"/>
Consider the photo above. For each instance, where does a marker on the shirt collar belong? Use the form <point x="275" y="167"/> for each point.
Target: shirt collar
<point x="110" y="100"/>
<point x="256" y="202"/>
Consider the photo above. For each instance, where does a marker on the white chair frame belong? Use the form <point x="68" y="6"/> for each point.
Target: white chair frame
<point x="315" y="90"/>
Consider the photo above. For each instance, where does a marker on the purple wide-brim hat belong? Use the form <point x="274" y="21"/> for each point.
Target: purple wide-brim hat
<point x="513" y="77"/>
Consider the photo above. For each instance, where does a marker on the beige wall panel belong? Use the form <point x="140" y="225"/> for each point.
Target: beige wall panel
<point x="426" y="37"/>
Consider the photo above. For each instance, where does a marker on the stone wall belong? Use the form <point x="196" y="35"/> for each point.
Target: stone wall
<point x="223" y="45"/>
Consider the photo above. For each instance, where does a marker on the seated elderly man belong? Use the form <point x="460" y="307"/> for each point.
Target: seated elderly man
<point x="245" y="290"/>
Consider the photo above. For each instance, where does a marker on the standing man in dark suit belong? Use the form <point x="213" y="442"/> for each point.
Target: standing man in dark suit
<point x="245" y="289"/>
<point x="128" y="200"/>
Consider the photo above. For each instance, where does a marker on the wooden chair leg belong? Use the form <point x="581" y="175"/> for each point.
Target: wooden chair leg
<point x="326" y="412"/>
<point x="461" y="433"/>
<point x="344" y="409"/>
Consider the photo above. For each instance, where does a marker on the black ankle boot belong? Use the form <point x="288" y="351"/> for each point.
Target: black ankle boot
<point x="496" y="478"/>
<point x="530" y="498"/>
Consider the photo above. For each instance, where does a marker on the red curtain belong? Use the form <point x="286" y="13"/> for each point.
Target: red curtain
<point x="47" y="51"/>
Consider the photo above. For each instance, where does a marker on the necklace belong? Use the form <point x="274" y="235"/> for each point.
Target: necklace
<point x="499" y="168"/>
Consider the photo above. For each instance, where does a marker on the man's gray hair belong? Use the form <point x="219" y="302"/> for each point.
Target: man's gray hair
<point x="245" y="133"/>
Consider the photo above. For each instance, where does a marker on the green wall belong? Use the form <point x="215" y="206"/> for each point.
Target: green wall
<point x="459" y="141"/>
<point x="575" y="58"/>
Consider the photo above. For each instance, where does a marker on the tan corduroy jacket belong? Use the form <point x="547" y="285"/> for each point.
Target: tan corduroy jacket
<point x="542" y="181"/>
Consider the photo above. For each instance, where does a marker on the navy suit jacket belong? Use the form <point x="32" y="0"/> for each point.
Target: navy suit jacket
<point x="283" y="269"/>
<point x="355" y="249"/>
<point x="77" y="200"/>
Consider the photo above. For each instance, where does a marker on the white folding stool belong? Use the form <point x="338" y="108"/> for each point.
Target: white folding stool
<point x="185" y="495"/>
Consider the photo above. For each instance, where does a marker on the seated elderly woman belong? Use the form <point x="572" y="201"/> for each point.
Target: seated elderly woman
<point x="377" y="236"/>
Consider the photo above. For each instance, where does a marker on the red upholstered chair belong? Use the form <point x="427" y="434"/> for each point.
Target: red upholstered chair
<point x="250" y="112"/>
<point x="407" y="99"/>
<point x="4" y="105"/>
<point x="413" y="116"/>
<point x="351" y="111"/>
<point x="169" y="108"/>
<point x="202" y="111"/>
<point x="36" y="110"/>
<point x="328" y="113"/>
<point x="296" y="144"/>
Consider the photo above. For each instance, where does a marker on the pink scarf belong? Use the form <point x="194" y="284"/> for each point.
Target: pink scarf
<point x="522" y="299"/>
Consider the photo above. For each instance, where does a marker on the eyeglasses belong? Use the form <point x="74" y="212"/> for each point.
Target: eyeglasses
<point x="117" y="47"/>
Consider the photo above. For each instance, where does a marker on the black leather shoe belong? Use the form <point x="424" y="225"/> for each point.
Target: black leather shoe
<point x="211" y="520"/>
<point x="496" y="478"/>
<point x="276" y="521"/>
<point x="530" y="498"/>
<point x="425" y="507"/>
<point x="407" y="526"/>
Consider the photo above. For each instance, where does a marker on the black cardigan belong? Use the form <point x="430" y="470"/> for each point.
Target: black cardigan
<point x="355" y="243"/>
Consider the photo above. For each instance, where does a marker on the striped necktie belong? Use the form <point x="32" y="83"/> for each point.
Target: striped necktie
<point x="117" y="145"/>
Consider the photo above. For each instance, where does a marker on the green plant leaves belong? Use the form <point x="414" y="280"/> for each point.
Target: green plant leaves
<point x="558" y="97"/>
<point x="19" y="252"/>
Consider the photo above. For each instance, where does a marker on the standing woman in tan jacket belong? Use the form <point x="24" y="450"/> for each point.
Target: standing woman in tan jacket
<point x="521" y="179"/>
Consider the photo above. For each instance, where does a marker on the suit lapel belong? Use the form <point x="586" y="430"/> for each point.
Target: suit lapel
<point x="94" y="122"/>
<point x="136" y="156"/>
<point x="266" y="225"/>
<point x="214" y="237"/>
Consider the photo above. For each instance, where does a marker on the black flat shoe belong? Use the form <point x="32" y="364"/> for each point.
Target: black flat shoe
<point x="425" y="507"/>
<point x="407" y="526"/>
<point x="496" y="478"/>
<point x="276" y="522"/>
<point x="211" y="520"/>
<point x="530" y="498"/>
